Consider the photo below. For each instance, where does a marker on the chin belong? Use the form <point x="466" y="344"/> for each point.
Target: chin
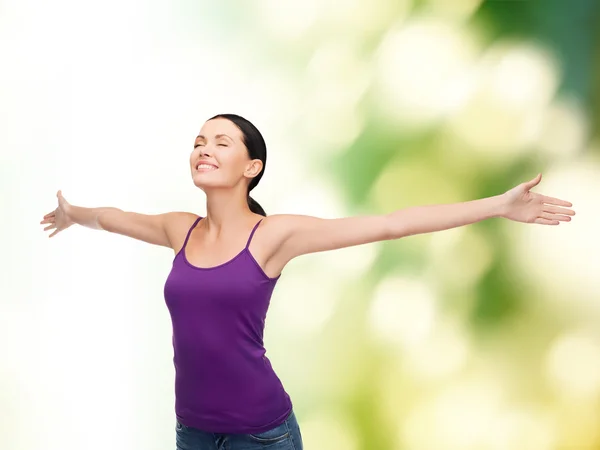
<point x="201" y="182"/>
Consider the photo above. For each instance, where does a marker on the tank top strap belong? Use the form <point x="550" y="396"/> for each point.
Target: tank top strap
<point x="252" y="233"/>
<point x="190" y="231"/>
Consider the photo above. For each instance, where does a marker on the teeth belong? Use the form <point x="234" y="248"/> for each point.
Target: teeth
<point x="205" y="166"/>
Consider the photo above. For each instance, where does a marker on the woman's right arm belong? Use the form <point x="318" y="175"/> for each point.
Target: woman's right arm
<point x="152" y="228"/>
<point x="160" y="229"/>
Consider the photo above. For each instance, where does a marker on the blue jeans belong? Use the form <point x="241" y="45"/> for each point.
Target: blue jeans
<point x="283" y="437"/>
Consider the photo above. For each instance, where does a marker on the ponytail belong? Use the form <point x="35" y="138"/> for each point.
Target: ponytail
<point x="255" y="207"/>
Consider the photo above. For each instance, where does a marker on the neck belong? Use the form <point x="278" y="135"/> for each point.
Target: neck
<point x="227" y="209"/>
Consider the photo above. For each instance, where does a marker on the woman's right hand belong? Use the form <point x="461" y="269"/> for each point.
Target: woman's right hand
<point x="59" y="218"/>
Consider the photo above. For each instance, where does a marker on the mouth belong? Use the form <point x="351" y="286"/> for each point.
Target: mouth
<point x="203" y="167"/>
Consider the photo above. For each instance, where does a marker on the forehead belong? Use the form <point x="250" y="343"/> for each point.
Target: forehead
<point x="220" y="126"/>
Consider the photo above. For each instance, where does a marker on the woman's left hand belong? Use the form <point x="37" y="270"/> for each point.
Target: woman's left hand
<point x="522" y="205"/>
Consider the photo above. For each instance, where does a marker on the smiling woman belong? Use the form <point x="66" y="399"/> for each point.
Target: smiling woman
<point x="218" y="324"/>
<point x="236" y="143"/>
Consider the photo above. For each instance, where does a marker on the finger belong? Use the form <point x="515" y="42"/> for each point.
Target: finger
<point x="49" y="227"/>
<point x="543" y="221"/>
<point x="557" y="210"/>
<point x="50" y="214"/>
<point x="562" y="218"/>
<point x="48" y="220"/>
<point x="550" y="216"/>
<point x="553" y="201"/>
<point x="532" y="183"/>
<point x="55" y="231"/>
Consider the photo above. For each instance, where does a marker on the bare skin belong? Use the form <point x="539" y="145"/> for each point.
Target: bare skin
<point x="199" y="251"/>
<point x="279" y="238"/>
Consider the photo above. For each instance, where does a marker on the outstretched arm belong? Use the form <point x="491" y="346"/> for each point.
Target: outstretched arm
<point x="306" y="234"/>
<point x="158" y="229"/>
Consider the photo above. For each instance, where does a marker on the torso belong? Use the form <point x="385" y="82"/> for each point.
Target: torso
<point x="218" y="319"/>
<point x="205" y="255"/>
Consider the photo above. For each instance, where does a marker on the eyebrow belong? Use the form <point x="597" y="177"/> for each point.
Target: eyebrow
<point x="217" y="136"/>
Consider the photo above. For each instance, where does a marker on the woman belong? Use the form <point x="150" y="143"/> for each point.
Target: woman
<point x="226" y="266"/>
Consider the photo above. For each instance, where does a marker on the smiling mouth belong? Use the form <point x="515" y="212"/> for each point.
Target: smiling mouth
<point x="205" y="168"/>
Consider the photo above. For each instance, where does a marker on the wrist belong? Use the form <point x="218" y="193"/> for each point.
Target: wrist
<point x="500" y="203"/>
<point x="68" y="210"/>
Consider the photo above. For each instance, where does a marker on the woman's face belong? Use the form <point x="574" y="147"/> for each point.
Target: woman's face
<point x="220" y="145"/>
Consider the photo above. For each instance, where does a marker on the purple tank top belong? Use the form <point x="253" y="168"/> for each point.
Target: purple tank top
<point x="224" y="382"/>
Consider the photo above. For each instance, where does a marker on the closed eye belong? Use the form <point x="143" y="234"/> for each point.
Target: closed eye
<point x="224" y="145"/>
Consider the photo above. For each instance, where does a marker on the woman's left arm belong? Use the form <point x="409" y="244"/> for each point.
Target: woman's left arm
<point x="306" y="234"/>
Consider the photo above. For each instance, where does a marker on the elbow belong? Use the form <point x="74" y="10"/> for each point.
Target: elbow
<point x="100" y="223"/>
<point x="104" y="221"/>
<point x="390" y="228"/>
<point x="395" y="226"/>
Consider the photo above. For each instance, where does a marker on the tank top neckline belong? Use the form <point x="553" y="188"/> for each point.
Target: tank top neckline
<point x="230" y="261"/>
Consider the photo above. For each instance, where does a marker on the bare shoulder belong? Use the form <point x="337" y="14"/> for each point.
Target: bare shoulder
<point x="276" y="222"/>
<point x="284" y="226"/>
<point x="278" y="227"/>
<point x="177" y="224"/>
<point x="281" y="227"/>
<point x="276" y="230"/>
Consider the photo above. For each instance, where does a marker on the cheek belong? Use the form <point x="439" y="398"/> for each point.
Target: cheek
<point x="231" y="161"/>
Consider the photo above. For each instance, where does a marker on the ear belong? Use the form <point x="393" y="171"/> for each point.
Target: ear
<point x="253" y="168"/>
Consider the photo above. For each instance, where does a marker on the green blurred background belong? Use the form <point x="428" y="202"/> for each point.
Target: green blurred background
<point x="485" y="337"/>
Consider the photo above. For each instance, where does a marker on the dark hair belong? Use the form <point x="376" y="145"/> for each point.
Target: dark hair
<point x="257" y="149"/>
